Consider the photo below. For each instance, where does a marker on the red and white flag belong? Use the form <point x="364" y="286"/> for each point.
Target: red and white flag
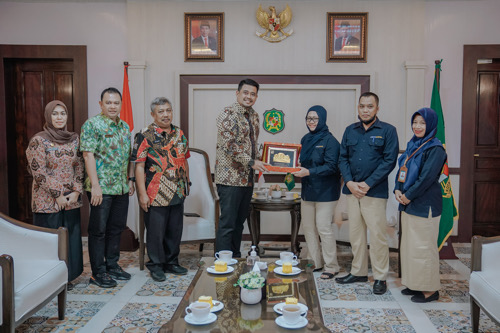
<point x="126" y="112"/>
<point x="261" y="181"/>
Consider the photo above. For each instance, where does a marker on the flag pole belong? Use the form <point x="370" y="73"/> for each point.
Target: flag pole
<point x="446" y="250"/>
<point x="128" y="241"/>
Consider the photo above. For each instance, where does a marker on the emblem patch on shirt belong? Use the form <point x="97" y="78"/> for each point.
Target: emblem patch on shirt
<point x="274" y="121"/>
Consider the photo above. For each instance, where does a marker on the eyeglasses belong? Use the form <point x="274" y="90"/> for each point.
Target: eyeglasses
<point x="312" y="119"/>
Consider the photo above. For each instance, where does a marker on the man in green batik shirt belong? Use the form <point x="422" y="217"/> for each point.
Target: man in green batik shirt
<point x="105" y="141"/>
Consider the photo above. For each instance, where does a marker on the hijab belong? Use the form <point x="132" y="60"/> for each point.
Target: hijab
<point x="414" y="163"/>
<point x="60" y="136"/>
<point x="310" y="140"/>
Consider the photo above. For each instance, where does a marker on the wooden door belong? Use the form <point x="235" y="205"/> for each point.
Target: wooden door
<point x="35" y="83"/>
<point x="486" y="188"/>
<point x="480" y="143"/>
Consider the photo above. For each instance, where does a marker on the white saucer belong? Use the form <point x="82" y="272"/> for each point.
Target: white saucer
<point x="212" y="270"/>
<point x="279" y="262"/>
<point x="218" y="307"/>
<point x="261" y="199"/>
<point x="277" y="308"/>
<point x="281" y="322"/>
<point x="210" y="319"/>
<point x="233" y="261"/>
<point x="279" y="270"/>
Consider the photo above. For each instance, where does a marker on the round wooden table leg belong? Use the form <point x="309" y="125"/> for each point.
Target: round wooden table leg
<point x="295" y="245"/>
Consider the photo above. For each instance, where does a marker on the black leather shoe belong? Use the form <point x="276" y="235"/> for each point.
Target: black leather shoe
<point x="70" y="286"/>
<point x="102" y="280"/>
<point x="408" y="292"/>
<point x="422" y="299"/>
<point x="379" y="287"/>
<point x="118" y="273"/>
<point x="158" y="275"/>
<point x="175" y="269"/>
<point x="351" y="279"/>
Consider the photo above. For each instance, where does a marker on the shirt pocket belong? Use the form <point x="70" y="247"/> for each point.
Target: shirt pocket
<point x="351" y="145"/>
<point x="107" y="142"/>
<point x="377" y="143"/>
<point x="318" y="156"/>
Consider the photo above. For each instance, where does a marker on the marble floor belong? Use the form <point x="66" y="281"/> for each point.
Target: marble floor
<point x="143" y="305"/>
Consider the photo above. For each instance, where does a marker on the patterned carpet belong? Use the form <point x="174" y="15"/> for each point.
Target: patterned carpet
<point x="143" y="305"/>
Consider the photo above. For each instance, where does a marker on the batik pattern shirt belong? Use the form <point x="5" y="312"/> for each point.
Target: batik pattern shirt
<point x="110" y="142"/>
<point x="164" y="154"/>
<point x="57" y="169"/>
<point x="237" y="134"/>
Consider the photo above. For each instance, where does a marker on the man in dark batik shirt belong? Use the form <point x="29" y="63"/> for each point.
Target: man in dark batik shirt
<point x="162" y="178"/>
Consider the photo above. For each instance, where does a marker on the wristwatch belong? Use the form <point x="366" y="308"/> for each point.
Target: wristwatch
<point x="251" y="163"/>
<point x="131" y="179"/>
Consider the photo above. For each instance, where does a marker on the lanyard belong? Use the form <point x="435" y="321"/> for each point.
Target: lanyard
<point x="403" y="171"/>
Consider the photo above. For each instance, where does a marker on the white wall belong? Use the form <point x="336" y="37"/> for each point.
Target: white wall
<point x="449" y="25"/>
<point x="156" y="34"/>
<point x="100" y="26"/>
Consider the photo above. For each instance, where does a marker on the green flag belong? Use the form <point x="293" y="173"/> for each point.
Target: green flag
<point x="289" y="181"/>
<point x="449" y="212"/>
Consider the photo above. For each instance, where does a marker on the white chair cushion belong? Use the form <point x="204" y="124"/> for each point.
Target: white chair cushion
<point x="489" y="257"/>
<point x="15" y="238"/>
<point x="200" y="198"/>
<point x="197" y="228"/>
<point x="35" y="281"/>
<point x="485" y="288"/>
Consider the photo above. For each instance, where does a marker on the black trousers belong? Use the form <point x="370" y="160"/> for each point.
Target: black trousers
<point x="164" y="231"/>
<point x="106" y="224"/>
<point x="235" y="208"/>
<point x="70" y="219"/>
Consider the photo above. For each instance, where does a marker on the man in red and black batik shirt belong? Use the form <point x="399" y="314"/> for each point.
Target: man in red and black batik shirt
<point x="162" y="173"/>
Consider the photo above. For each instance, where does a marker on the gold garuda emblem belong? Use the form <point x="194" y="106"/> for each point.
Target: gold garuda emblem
<point x="274" y="24"/>
<point x="281" y="158"/>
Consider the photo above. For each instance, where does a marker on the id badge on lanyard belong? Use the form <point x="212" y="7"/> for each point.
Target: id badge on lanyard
<point x="402" y="174"/>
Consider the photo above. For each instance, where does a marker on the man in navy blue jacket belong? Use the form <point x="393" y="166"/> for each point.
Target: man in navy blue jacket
<point x="368" y="154"/>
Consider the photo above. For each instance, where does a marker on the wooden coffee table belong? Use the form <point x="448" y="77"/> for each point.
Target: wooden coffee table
<point x="275" y="205"/>
<point x="239" y="317"/>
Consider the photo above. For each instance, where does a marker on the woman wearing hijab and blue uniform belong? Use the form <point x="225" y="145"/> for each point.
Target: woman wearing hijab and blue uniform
<point x="419" y="195"/>
<point x="320" y="174"/>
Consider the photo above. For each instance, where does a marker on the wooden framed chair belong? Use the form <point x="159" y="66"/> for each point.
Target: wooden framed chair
<point x="201" y="207"/>
<point x="484" y="283"/>
<point x="33" y="266"/>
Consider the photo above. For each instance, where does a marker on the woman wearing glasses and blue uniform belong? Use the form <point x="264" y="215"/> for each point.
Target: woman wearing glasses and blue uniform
<point x="320" y="175"/>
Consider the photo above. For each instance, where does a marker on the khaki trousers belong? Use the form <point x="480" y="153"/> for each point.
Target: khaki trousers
<point x="317" y="222"/>
<point x="419" y="252"/>
<point x="365" y="214"/>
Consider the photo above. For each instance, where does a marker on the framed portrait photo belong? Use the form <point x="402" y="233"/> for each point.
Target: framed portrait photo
<point x="204" y="37"/>
<point x="346" y="38"/>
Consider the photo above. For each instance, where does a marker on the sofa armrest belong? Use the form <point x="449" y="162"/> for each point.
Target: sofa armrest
<point x="485" y="252"/>
<point x="7" y="290"/>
